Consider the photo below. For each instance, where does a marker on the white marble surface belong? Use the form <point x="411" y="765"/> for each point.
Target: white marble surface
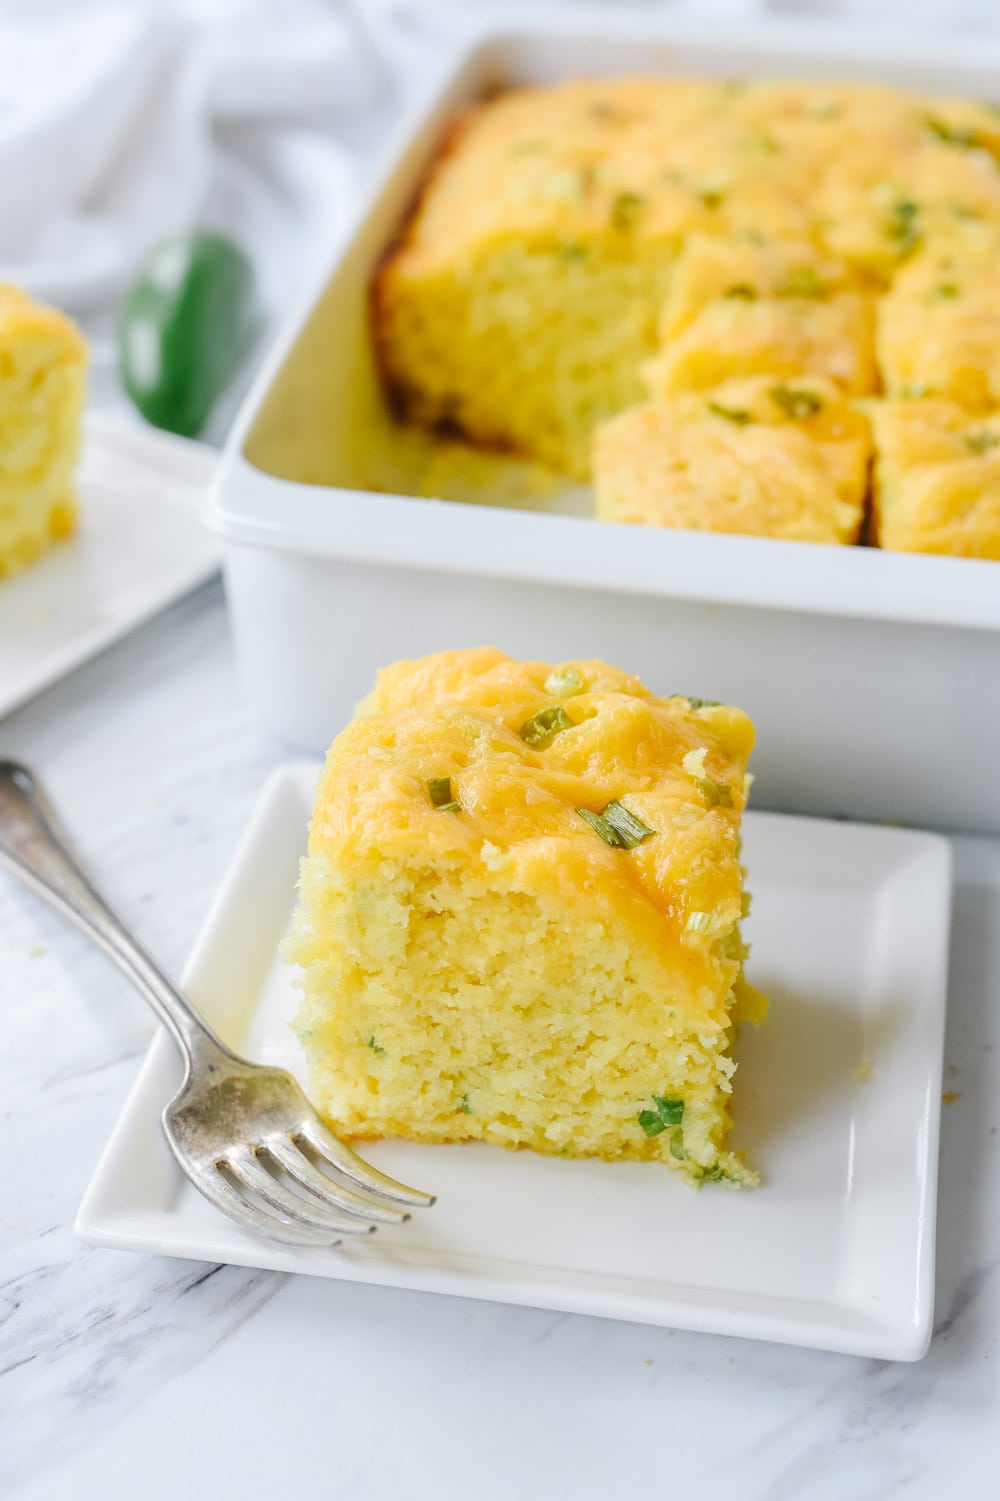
<point x="124" y="1376"/>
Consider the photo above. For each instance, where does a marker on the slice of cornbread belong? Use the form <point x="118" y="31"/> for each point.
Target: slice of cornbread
<point x="519" y="914"/>
<point x="937" y="478"/>
<point x="42" y="364"/>
<point x="763" y="457"/>
<point x="736" y="309"/>
<point x="939" y="326"/>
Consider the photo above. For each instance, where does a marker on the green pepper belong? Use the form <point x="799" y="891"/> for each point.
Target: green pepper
<point x="186" y="325"/>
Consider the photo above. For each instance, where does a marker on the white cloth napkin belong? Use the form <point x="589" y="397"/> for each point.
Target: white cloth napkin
<point x="119" y="126"/>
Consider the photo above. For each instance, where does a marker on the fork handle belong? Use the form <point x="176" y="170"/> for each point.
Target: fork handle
<point x="33" y="850"/>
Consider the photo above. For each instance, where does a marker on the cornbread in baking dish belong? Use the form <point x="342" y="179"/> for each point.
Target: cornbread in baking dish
<point x="42" y="365"/>
<point x="519" y="914"/>
<point x="937" y="478"/>
<point x="779" y="309"/>
<point x="525" y="291"/>
<point x="763" y="457"/>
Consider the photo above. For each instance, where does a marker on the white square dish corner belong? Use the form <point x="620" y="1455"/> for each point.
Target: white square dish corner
<point x="838" y="1104"/>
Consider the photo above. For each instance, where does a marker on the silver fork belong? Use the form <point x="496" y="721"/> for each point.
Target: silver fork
<point x="244" y="1134"/>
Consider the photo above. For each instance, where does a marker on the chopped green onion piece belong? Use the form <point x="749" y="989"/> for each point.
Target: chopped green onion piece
<point x="441" y="795"/>
<point x="564" y="681"/>
<point x="705" y="923"/>
<point x="982" y="442"/>
<point x="731" y="414"/>
<point x="716" y="794"/>
<point x="371" y="1043"/>
<point x="801" y="281"/>
<point x="677" y="1146"/>
<point x="714" y="1174"/>
<point x="617" y="826"/>
<point x="952" y="135"/>
<point x="671" y="1112"/>
<point x="701" y="703"/>
<point x="763" y="143"/>
<point x="600" y="825"/>
<point x="542" y="728"/>
<point x="795" y="404"/>
<point x="625" y="208"/>
<point x="904" y="209"/>
<point x="741" y="291"/>
<point x="651" y="1123"/>
<point x="903" y="226"/>
<point x="630" y="830"/>
<point x="464" y="1105"/>
<point x="946" y="291"/>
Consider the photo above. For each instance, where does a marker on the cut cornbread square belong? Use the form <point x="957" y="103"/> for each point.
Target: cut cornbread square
<point x="519" y="914"/>
<point x="904" y="187"/>
<point x="937" y="478"/>
<point x="736" y="309"/>
<point x="42" y="366"/>
<point x="939" y="325"/>
<point x="763" y="457"/>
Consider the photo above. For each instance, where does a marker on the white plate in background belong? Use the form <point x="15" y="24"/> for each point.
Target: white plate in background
<point x="141" y="544"/>
<point x="837" y="1103"/>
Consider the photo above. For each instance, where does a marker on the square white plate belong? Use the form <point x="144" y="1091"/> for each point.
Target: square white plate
<point x="141" y="544"/>
<point x="837" y="1103"/>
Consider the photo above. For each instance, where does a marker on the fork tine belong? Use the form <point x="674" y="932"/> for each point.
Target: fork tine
<point x="226" y="1198"/>
<point x="362" y="1173"/>
<point x="309" y="1178"/>
<point x="245" y="1165"/>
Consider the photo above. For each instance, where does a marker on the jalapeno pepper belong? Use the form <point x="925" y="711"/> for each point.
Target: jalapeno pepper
<point x="186" y="325"/>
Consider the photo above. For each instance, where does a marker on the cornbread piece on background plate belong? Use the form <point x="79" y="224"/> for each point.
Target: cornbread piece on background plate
<point x="738" y="309"/>
<point x="42" y="367"/>
<point x="937" y="478"/>
<point x="519" y="914"/>
<point x="939" y="326"/>
<point x="763" y="457"/>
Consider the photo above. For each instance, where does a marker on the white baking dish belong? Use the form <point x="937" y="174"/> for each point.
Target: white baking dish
<point x="873" y="678"/>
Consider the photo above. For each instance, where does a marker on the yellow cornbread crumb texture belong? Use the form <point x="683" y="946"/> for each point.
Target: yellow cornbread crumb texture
<point x="42" y="366"/>
<point x="582" y="249"/>
<point x="499" y="972"/>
